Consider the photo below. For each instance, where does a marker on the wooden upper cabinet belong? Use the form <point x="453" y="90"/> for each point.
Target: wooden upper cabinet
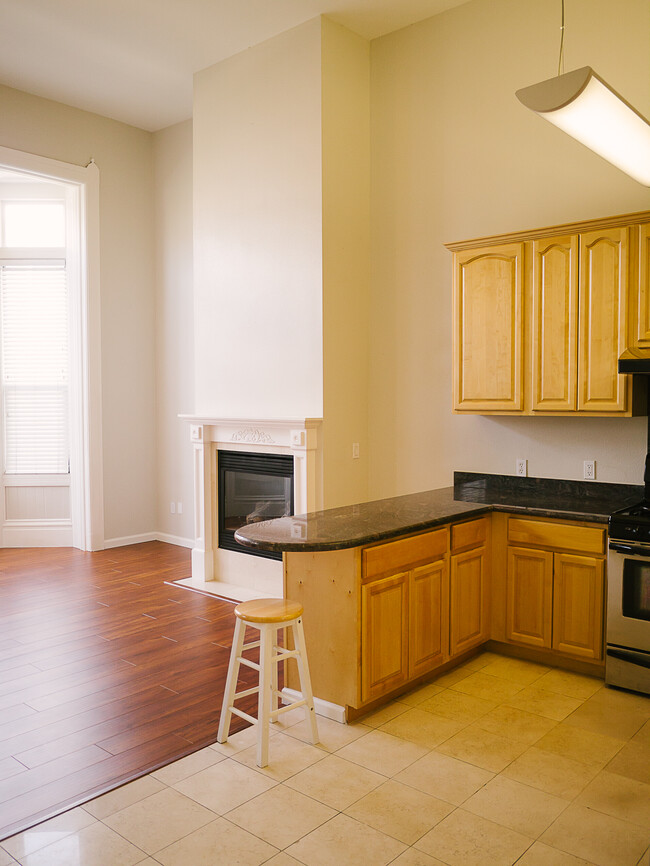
<point x="488" y="329"/>
<point x="541" y="318"/>
<point x="604" y="274"/>
<point x="554" y="323"/>
<point x="642" y="330"/>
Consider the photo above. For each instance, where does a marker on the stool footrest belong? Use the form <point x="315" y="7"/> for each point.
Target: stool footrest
<point x="292" y="706"/>
<point x="253" y="691"/>
<point x="285" y="654"/>
<point x="243" y="715"/>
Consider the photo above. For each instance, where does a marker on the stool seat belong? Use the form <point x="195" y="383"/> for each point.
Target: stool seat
<point x="268" y="616"/>
<point x="268" y="610"/>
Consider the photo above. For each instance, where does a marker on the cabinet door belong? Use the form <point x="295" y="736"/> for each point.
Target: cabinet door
<point x="384" y="635"/>
<point x="578" y="605"/>
<point x="529" y="596"/>
<point x="642" y="330"/>
<point x="603" y="320"/>
<point x="469" y="615"/>
<point x="429" y="617"/>
<point x="555" y="323"/>
<point x="488" y="329"/>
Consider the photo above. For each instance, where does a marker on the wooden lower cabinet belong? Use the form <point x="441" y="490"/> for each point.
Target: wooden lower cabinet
<point x="578" y="605"/>
<point x="404" y="627"/>
<point x="428" y="619"/>
<point x="415" y="618"/>
<point x="378" y="618"/>
<point x="469" y="614"/>
<point x="384" y="635"/>
<point x="529" y="596"/>
<point x="554" y="599"/>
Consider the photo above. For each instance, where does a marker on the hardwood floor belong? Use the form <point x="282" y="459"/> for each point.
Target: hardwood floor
<point x="106" y="672"/>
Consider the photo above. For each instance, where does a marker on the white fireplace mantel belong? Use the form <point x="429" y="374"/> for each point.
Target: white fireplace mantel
<point x="300" y="437"/>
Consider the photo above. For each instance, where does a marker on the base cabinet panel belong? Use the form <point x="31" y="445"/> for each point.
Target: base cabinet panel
<point x="555" y="595"/>
<point x="428" y="619"/>
<point x="384" y="635"/>
<point x="529" y="596"/>
<point x="578" y="605"/>
<point x="469" y="621"/>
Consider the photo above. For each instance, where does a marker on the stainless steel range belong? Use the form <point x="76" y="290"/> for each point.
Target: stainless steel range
<point x="627" y="661"/>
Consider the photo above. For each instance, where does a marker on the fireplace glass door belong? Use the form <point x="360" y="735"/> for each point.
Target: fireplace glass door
<point x="252" y="487"/>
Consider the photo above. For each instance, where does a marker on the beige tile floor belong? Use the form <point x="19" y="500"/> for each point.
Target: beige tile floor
<point x="498" y="762"/>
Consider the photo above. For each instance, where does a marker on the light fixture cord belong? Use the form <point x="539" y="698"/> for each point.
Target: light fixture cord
<point x="560" y="63"/>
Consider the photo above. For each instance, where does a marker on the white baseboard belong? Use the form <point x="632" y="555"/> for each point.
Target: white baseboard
<point x="148" y="536"/>
<point x="36" y="533"/>
<point x="335" y="712"/>
<point x="178" y="540"/>
<point x="130" y="539"/>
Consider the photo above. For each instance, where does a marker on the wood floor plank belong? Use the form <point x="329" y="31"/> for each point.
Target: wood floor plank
<point x="107" y="671"/>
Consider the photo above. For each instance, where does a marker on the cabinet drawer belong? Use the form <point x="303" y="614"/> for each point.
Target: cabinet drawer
<point x="466" y="535"/>
<point x="541" y="533"/>
<point x="401" y="555"/>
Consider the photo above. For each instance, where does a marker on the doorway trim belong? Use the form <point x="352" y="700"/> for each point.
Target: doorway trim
<point x="86" y="476"/>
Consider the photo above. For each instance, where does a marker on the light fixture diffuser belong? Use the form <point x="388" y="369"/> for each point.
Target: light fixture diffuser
<point x="587" y="108"/>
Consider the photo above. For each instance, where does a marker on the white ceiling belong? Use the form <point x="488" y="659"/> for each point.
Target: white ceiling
<point x="133" y="60"/>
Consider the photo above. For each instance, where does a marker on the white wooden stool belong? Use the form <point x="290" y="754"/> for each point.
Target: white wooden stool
<point x="268" y="615"/>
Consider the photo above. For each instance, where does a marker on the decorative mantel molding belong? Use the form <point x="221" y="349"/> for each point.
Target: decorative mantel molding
<point x="253" y="435"/>
<point x="297" y="436"/>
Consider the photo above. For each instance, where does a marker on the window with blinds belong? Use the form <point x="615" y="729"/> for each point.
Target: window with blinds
<point x="34" y="328"/>
<point x="34" y="367"/>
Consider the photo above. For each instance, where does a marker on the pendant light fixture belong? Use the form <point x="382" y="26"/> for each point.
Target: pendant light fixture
<point x="582" y="104"/>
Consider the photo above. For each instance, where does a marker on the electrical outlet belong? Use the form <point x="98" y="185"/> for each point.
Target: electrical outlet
<point x="521" y="467"/>
<point x="589" y="473"/>
<point x="355" y="450"/>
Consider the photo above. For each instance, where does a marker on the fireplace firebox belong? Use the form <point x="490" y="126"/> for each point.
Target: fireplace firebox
<point x="252" y="487"/>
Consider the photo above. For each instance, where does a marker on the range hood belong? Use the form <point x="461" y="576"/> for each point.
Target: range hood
<point x="635" y="361"/>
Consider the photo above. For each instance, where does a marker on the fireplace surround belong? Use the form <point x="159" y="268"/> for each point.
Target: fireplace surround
<point x="234" y="573"/>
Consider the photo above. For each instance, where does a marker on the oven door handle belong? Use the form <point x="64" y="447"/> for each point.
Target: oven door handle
<point x="634" y="658"/>
<point x="632" y="549"/>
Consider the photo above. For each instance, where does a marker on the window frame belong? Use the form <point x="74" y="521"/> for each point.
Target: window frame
<point x="86" y="480"/>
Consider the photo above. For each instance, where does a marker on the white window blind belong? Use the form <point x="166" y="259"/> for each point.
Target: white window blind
<point x="34" y="327"/>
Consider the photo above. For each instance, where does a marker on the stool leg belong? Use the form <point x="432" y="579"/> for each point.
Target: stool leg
<point x="305" y="680"/>
<point x="267" y="635"/>
<point x="275" y="701"/>
<point x="231" y="681"/>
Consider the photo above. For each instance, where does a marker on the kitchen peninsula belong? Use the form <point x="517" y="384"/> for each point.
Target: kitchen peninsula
<point x="399" y="589"/>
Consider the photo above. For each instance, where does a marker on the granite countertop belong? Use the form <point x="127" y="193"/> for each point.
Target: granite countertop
<point x="473" y="494"/>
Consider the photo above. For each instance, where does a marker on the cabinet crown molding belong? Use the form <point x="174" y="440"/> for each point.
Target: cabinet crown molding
<point x="628" y="219"/>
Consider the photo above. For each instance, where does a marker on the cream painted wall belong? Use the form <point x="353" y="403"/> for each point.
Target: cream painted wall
<point x="257" y="231"/>
<point x="455" y="156"/>
<point x="124" y="157"/>
<point x="172" y="152"/>
<point x="346" y="262"/>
